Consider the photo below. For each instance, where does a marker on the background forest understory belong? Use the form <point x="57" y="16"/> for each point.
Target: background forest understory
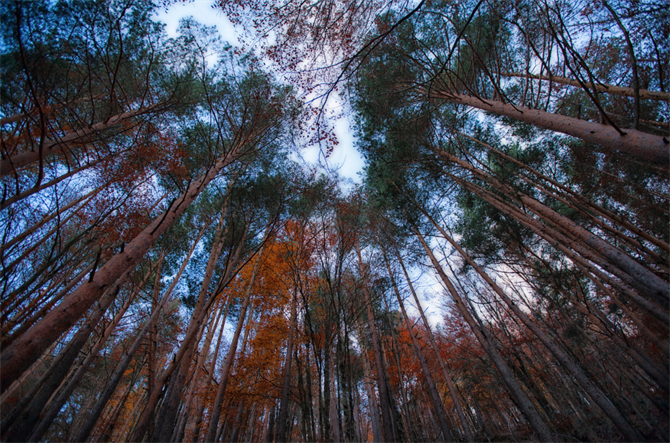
<point x="173" y="270"/>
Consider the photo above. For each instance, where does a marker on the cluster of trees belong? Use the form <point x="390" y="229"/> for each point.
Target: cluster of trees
<point x="171" y="273"/>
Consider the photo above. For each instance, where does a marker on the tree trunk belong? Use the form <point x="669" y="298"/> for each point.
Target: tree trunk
<point x="430" y="384"/>
<point x="387" y="420"/>
<point x="17" y="357"/>
<point x="27" y="232"/>
<point x="582" y="379"/>
<point x="165" y="426"/>
<point x="524" y="403"/>
<point x="610" y="89"/>
<point x="443" y="365"/>
<point x="228" y="364"/>
<point x="652" y="148"/>
<point x="283" y="408"/>
<point x="191" y="335"/>
<point x="368" y="376"/>
<point x="23" y="159"/>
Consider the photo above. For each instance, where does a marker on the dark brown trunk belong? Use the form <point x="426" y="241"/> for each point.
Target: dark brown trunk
<point x="582" y="379"/>
<point x="430" y="384"/>
<point x="283" y="406"/>
<point x="228" y="364"/>
<point x="384" y="398"/>
<point x="443" y="365"/>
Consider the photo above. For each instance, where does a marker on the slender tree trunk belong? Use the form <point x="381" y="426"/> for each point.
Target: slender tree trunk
<point x="520" y="398"/>
<point x="430" y="384"/>
<point x="195" y="381"/>
<point x="191" y="334"/>
<point x="212" y="368"/>
<point x="610" y="89"/>
<point x="582" y="379"/>
<point x="443" y="365"/>
<point x="151" y="348"/>
<point x="5" y="203"/>
<point x="55" y="299"/>
<point x="17" y="357"/>
<point x="19" y="161"/>
<point x="333" y="416"/>
<point x="228" y="364"/>
<point x="165" y="426"/>
<point x="107" y="431"/>
<point x="22" y="236"/>
<point x="372" y="397"/>
<point x="283" y="408"/>
<point x="54" y="377"/>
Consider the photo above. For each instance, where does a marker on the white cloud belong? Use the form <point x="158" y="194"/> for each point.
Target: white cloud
<point x="203" y="12"/>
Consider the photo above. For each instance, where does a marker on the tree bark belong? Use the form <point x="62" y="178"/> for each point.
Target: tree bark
<point x="652" y="148"/>
<point x="610" y="89"/>
<point x="524" y="403"/>
<point x="283" y="406"/>
<point x="443" y="365"/>
<point x="165" y="426"/>
<point x="430" y="383"/>
<point x="17" y="357"/>
<point x="24" y="159"/>
<point x="582" y="379"/>
<point x="384" y="398"/>
<point x="228" y="364"/>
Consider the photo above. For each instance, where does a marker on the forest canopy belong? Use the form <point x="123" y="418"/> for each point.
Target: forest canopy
<point x="173" y="270"/>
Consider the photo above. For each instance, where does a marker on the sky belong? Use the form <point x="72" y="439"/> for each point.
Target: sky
<point x="345" y="157"/>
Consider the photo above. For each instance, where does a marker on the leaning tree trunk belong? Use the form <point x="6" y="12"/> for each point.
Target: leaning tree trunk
<point x="443" y="365"/>
<point x="384" y="398"/>
<point x="192" y="335"/>
<point x="228" y="364"/>
<point x="368" y="376"/>
<point x="600" y="87"/>
<point x="639" y="144"/>
<point x="430" y="383"/>
<point x="19" y="161"/>
<point x="165" y="425"/>
<point x="522" y="401"/>
<point x="26" y="349"/>
<point x="582" y="379"/>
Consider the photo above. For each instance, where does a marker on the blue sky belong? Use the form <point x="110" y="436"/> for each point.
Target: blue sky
<point x="345" y="158"/>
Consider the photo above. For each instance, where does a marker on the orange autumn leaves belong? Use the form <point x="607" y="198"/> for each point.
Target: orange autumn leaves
<point x="286" y="268"/>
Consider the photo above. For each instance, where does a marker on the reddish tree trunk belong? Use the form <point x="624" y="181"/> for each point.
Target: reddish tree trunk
<point x="26" y="349"/>
<point x="645" y="146"/>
